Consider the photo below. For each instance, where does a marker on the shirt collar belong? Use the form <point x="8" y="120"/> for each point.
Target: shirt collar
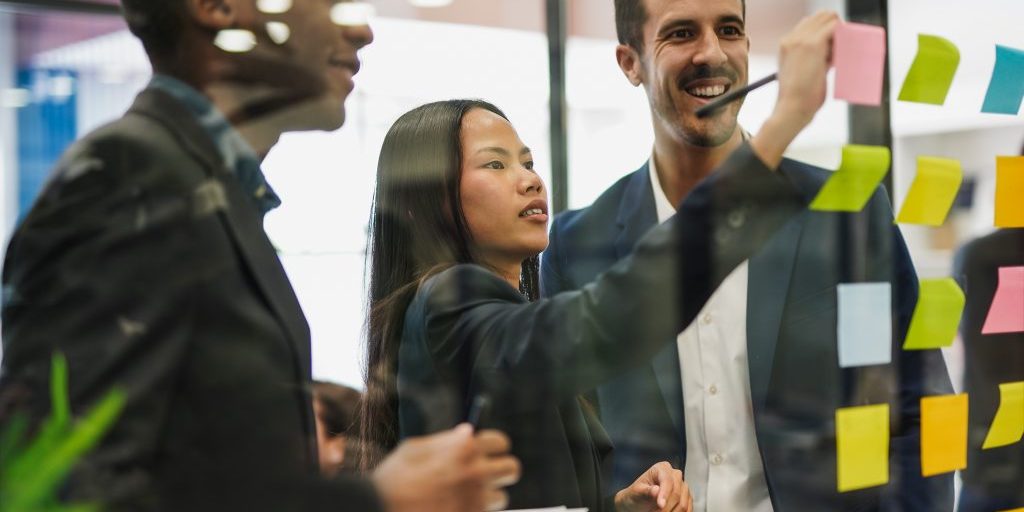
<point x="663" y="206"/>
<point x="237" y="154"/>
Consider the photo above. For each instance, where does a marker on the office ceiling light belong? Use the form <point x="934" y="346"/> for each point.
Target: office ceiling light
<point x="274" y="6"/>
<point x="430" y="3"/>
<point x="352" y="13"/>
<point x="235" y="40"/>
<point x="278" y="32"/>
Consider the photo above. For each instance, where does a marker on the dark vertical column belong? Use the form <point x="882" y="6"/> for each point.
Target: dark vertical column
<point x="556" y="27"/>
<point x="872" y="125"/>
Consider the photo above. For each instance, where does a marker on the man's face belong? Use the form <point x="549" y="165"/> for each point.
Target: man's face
<point x="694" y="51"/>
<point x="311" y="59"/>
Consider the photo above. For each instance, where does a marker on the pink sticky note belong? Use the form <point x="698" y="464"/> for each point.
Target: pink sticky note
<point x="1007" y="312"/>
<point x="858" y="54"/>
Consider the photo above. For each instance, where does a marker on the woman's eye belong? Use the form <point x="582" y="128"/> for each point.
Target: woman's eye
<point x="494" y="165"/>
<point x="528" y="165"/>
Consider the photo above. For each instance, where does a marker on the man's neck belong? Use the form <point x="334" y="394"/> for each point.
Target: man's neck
<point x="262" y="132"/>
<point x="681" y="166"/>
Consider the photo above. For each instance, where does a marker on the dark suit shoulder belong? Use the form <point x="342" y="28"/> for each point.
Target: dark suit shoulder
<point x="461" y="286"/>
<point x="601" y="213"/>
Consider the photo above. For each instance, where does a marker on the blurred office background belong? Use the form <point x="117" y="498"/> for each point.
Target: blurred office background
<point x="67" y="66"/>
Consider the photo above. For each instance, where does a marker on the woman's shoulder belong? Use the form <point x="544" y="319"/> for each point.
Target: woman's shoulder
<point x="463" y="284"/>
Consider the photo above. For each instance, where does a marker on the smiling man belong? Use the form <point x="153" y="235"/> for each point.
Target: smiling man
<point x="745" y="400"/>
<point x="145" y="262"/>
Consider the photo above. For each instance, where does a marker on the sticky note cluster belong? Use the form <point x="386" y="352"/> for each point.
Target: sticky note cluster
<point x="935" y="65"/>
<point x="858" y="56"/>
<point x="943" y="434"/>
<point x="859" y="174"/>
<point x="1008" y="426"/>
<point x="1006" y="314"/>
<point x="936" y="315"/>
<point x="862" y="447"/>
<point x="1010" y="191"/>
<point x="933" y="191"/>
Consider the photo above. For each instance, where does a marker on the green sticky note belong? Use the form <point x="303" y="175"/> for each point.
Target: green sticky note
<point x="932" y="194"/>
<point x="936" y="316"/>
<point x="850" y="188"/>
<point x="932" y="72"/>
<point x="862" y="447"/>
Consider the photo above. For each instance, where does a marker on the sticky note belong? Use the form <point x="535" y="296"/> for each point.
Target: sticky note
<point x="1009" y="191"/>
<point x="862" y="447"/>
<point x="865" y="324"/>
<point x="850" y="187"/>
<point x="1006" y="89"/>
<point x="936" y="315"/>
<point x="932" y="72"/>
<point x="943" y="434"/>
<point x="1008" y="425"/>
<point x="858" y="55"/>
<point x="1007" y="311"/>
<point x="1014" y="510"/>
<point x="933" y="191"/>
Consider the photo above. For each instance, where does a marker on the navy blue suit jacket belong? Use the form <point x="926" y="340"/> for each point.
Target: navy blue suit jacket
<point x="796" y="383"/>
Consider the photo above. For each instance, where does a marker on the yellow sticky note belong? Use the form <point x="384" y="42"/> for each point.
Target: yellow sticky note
<point x="933" y="191"/>
<point x="943" y="434"/>
<point x="1014" y="510"/>
<point x="932" y="72"/>
<point x="850" y="188"/>
<point x="1008" y="426"/>
<point x="862" y="447"/>
<point x="936" y="315"/>
<point x="1009" y="191"/>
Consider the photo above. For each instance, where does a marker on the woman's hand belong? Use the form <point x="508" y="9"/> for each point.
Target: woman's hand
<point x="660" y="488"/>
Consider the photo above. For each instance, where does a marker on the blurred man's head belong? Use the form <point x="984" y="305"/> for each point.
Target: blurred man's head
<point x="685" y="53"/>
<point x="291" y="51"/>
<point x="337" y="412"/>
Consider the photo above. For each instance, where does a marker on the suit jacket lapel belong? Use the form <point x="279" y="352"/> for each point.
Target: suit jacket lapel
<point x="242" y="220"/>
<point x="767" y="290"/>
<point x="637" y="215"/>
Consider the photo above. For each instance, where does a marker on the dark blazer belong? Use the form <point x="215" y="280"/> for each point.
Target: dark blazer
<point x="467" y="332"/>
<point x="994" y="476"/>
<point x="796" y="383"/>
<point x="146" y="264"/>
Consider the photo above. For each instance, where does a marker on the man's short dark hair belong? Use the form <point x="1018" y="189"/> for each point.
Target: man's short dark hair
<point x="630" y="16"/>
<point x="157" y="23"/>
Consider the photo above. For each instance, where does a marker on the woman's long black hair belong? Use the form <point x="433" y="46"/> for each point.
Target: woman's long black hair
<point x="417" y="229"/>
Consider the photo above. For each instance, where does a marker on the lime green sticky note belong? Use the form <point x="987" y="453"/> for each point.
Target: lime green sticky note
<point x="1008" y="425"/>
<point x="862" y="447"/>
<point x="932" y="72"/>
<point x="933" y="191"/>
<point x="943" y="434"/>
<point x="936" y="315"/>
<point x="850" y="188"/>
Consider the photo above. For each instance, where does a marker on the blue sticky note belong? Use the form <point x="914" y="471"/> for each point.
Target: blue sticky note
<point x="865" y="324"/>
<point x="1006" y="90"/>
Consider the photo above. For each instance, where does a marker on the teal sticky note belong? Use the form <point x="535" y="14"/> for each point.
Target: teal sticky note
<point x="864" y="329"/>
<point x="1006" y="90"/>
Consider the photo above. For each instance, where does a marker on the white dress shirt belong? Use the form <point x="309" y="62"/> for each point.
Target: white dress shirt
<point x="723" y="463"/>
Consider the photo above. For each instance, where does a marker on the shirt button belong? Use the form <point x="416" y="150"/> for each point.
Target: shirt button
<point x="706" y="319"/>
<point x="737" y="219"/>
<point x="713" y="389"/>
<point x="716" y="459"/>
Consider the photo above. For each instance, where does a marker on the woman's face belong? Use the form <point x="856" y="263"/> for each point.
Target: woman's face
<point x="503" y="199"/>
